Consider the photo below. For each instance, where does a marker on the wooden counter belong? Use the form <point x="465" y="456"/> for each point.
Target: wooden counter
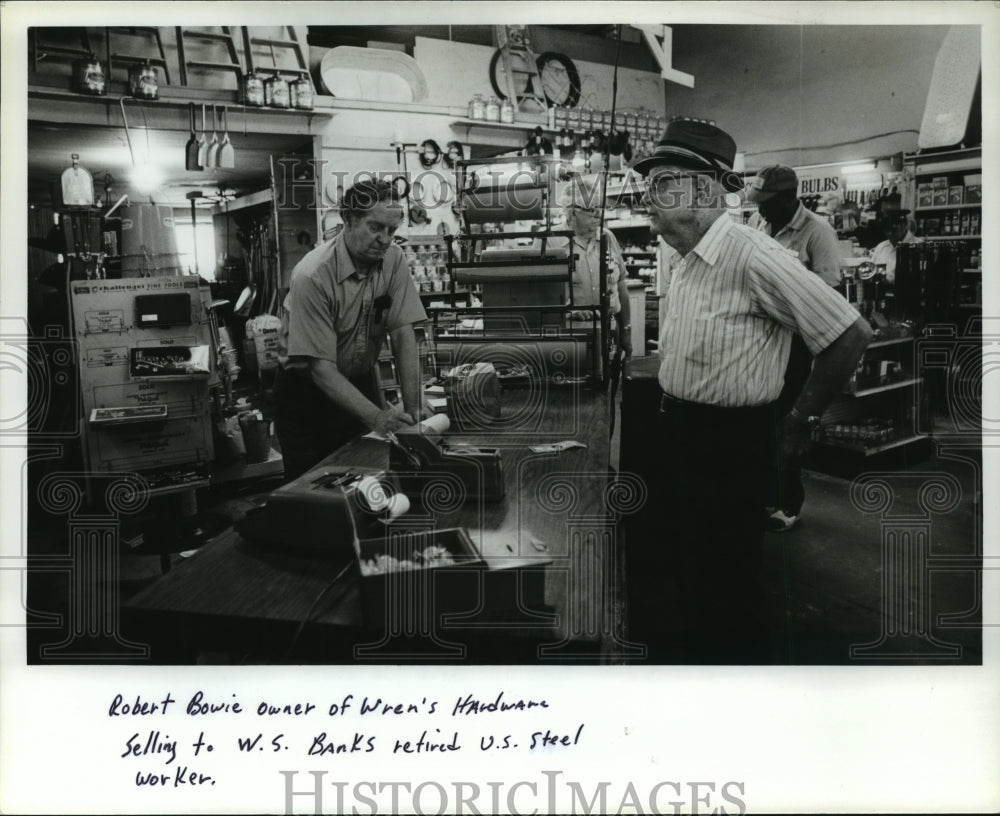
<point x="551" y="592"/>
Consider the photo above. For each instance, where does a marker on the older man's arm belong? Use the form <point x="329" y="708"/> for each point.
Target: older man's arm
<point x="342" y="393"/>
<point x="405" y="349"/>
<point x="831" y="369"/>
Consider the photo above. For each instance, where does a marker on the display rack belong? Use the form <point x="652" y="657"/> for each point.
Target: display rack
<point x="524" y="276"/>
<point x="171" y="448"/>
<point x="877" y="415"/>
<point x="949" y="208"/>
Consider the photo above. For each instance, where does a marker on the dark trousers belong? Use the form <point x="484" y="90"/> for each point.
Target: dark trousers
<point x="308" y="425"/>
<point x="696" y="595"/>
<point x="785" y="490"/>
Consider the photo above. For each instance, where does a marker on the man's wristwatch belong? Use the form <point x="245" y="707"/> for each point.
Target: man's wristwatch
<point x="809" y="421"/>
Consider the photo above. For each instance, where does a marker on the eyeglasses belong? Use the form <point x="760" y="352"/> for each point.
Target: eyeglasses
<point x="676" y="177"/>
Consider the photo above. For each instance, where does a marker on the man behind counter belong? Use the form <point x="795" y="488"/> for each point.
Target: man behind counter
<point x="344" y="297"/>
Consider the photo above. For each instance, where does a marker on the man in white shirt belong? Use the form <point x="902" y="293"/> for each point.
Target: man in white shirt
<point x="582" y="202"/>
<point x="899" y="228"/>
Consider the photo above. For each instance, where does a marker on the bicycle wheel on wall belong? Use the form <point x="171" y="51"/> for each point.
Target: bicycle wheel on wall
<point x="559" y="78"/>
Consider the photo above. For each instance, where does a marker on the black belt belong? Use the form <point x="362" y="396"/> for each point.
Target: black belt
<point x="671" y="405"/>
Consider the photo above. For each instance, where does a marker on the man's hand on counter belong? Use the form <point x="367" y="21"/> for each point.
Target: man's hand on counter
<point x="390" y="420"/>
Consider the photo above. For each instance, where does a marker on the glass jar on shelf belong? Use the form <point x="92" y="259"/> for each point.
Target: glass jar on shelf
<point x="477" y="107"/>
<point x="144" y="81"/>
<point x="301" y="93"/>
<point x="276" y="92"/>
<point x="493" y="109"/>
<point x="88" y="76"/>
<point x="507" y="112"/>
<point x="253" y="90"/>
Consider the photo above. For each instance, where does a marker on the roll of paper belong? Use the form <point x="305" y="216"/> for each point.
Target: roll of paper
<point x="374" y="493"/>
<point x="506" y="203"/>
<point x="397" y="505"/>
<point x="437" y="424"/>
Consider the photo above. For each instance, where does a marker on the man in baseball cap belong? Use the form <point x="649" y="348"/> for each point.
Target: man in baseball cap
<point x="734" y="298"/>
<point x="781" y="215"/>
<point x="772" y="180"/>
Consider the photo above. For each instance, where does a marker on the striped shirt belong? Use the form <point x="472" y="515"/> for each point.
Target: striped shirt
<point x="812" y="240"/>
<point x="731" y="307"/>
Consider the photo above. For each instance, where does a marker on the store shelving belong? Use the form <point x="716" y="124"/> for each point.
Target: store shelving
<point x="878" y="389"/>
<point x="952" y="237"/>
<point x="877" y="413"/>
<point x="890" y="342"/>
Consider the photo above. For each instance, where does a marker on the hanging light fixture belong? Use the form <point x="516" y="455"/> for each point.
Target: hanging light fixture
<point x="146" y="176"/>
<point x="854" y="169"/>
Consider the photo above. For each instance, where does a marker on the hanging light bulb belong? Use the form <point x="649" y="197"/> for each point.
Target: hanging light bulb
<point x="146" y="177"/>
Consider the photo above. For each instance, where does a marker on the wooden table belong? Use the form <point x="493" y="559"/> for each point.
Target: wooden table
<point x="551" y="591"/>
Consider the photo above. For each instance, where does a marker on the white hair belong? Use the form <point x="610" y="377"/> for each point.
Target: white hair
<point x="583" y="192"/>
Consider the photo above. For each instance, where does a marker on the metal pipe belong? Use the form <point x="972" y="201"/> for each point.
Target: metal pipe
<point x="117" y="204"/>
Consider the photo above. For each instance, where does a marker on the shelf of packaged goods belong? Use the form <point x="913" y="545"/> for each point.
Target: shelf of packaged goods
<point x="481" y="125"/>
<point x="878" y="389"/>
<point x="871" y="450"/>
<point x="951" y="237"/>
<point x="939" y="207"/>
<point x="889" y="342"/>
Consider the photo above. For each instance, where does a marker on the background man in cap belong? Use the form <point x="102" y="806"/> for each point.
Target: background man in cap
<point x="582" y="200"/>
<point x="781" y="215"/>
<point x="734" y="300"/>
<point x="898" y="227"/>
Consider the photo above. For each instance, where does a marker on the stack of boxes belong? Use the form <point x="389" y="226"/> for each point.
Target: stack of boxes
<point x="941" y="192"/>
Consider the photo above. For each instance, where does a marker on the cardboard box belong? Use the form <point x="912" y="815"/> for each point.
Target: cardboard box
<point x="973" y="193"/>
<point x="419" y="593"/>
<point x="955" y="194"/>
<point x="266" y="348"/>
<point x="925" y="194"/>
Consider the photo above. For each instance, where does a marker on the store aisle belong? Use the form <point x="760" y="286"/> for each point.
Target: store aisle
<point x="825" y="577"/>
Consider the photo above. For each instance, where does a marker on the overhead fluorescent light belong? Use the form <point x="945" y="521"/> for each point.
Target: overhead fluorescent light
<point x="851" y="169"/>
